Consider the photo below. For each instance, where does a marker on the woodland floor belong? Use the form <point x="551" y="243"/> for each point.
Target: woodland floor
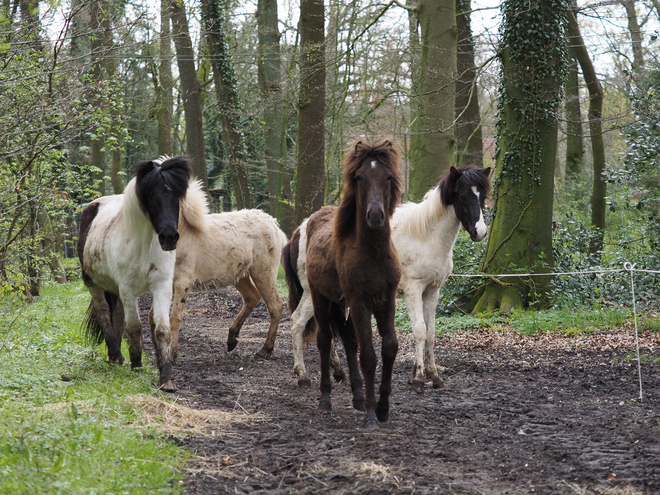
<point x="517" y="415"/>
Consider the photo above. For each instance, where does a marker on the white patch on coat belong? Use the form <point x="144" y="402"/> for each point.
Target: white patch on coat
<point x="374" y="163"/>
<point x="480" y="226"/>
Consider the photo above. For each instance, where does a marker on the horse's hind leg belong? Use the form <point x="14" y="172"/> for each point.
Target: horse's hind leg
<point x="323" y="342"/>
<point x="299" y="318"/>
<point x="251" y="297"/>
<point x="430" y="302"/>
<point x="338" y="372"/>
<point x="176" y="314"/>
<point x="389" y="349"/>
<point x="111" y="333"/>
<point x="266" y="283"/>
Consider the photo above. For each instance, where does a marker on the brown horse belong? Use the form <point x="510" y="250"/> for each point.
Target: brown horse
<point x="350" y="261"/>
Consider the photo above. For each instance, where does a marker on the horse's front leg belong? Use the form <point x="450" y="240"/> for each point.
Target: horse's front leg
<point x="112" y="331"/>
<point x="133" y="328"/>
<point x="414" y="303"/>
<point x="299" y="318"/>
<point x="430" y="303"/>
<point x="361" y="318"/>
<point x="162" y="296"/>
<point x="389" y="348"/>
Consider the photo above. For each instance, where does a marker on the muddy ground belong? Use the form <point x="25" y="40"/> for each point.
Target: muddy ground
<point x="517" y="415"/>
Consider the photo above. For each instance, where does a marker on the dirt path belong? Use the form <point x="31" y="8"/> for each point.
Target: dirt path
<point x="553" y="415"/>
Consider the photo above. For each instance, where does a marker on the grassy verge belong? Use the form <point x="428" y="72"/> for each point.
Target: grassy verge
<point x="68" y="421"/>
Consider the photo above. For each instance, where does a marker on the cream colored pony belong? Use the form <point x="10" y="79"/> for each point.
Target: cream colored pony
<point x="240" y="248"/>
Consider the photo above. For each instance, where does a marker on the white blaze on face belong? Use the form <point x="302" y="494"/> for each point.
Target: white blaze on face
<point x="480" y="227"/>
<point x="373" y="164"/>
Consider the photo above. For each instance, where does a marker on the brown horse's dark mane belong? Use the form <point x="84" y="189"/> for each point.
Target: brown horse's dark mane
<point x="387" y="154"/>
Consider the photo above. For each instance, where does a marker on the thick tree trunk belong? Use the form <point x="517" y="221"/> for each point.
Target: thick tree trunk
<point x="574" y="144"/>
<point x="432" y="148"/>
<point x="310" y="158"/>
<point x="468" y="117"/>
<point x="271" y="97"/>
<point x="521" y="235"/>
<point x="227" y="94"/>
<point x="191" y="92"/>
<point x="598" y="204"/>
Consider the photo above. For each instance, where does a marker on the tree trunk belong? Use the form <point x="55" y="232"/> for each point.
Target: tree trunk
<point x="521" y="234"/>
<point x="191" y="92"/>
<point x="598" y="205"/>
<point x="227" y="95"/>
<point x="271" y="97"/>
<point x="636" y="39"/>
<point x="468" y="120"/>
<point x="96" y="46"/>
<point x="310" y="158"/>
<point x="164" y="99"/>
<point x="574" y="144"/>
<point x="432" y="149"/>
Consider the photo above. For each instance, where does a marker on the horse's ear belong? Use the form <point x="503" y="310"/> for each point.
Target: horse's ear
<point x="486" y="171"/>
<point x="359" y="146"/>
<point x="455" y="173"/>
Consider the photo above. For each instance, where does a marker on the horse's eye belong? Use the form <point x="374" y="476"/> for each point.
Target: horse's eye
<point x="390" y="177"/>
<point x="358" y="178"/>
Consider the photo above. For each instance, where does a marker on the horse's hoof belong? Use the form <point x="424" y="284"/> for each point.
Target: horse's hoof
<point x="167" y="385"/>
<point x="340" y="376"/>
<point x="437" y="382"/>
<point x="116" y="360"/>
<point x="136" y="364"/>
<point x="418" y="386"/>
<point x="304" y="383"/>
<point x="325" y="404"/>
<point x="265" y="354"/>
<point x="383" y="413"/>
<point x="358" y="404"/>
<point x="371" y="421"/>
<point x="231" y="345"/>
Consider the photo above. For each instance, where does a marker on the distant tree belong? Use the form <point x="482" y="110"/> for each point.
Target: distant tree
<point x="191" y="91"/>
<point x="213" y="14"/>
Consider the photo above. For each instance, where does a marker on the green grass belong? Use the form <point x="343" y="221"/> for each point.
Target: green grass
<point x="569" y="322"/>
<point x="77" y="436"/>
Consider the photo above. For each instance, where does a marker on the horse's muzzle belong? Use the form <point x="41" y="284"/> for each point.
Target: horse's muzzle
<point x="168" y="240"/>
<point x="375" y="218"/>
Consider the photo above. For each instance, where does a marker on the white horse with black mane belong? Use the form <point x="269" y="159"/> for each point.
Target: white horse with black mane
<point x="424" y="235"/>
<point x="126" y="248"/>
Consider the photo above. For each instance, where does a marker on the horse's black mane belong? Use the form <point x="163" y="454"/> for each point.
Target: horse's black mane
<point x="151" y="176"/>
<point x="455" y="183"/>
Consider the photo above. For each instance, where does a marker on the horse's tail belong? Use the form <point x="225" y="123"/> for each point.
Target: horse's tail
<point x="91" y="324"/>
<point x="289" y="263"/>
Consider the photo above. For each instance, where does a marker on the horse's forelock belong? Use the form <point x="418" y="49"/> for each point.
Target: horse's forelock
<point x="386" y="152"/>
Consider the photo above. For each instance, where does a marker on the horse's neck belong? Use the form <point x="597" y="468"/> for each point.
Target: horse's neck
<point x="445" y="230"/>
<point x="372" y="237"/>
<point x="135" y="223"/>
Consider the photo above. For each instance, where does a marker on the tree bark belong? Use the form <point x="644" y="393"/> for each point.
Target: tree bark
<point x="521" y="234"/>
<point x="271" y="97"/>
<point x="468" y="121"/>
<point x="432" y="147"/>
<point x="227" y="94"/>
<point x="574" y="144"/>
<point x="598" y="204"/>
<point x="191" y="91"/>
<point x="96" y="47"/>
<point x="310" y="158"/>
